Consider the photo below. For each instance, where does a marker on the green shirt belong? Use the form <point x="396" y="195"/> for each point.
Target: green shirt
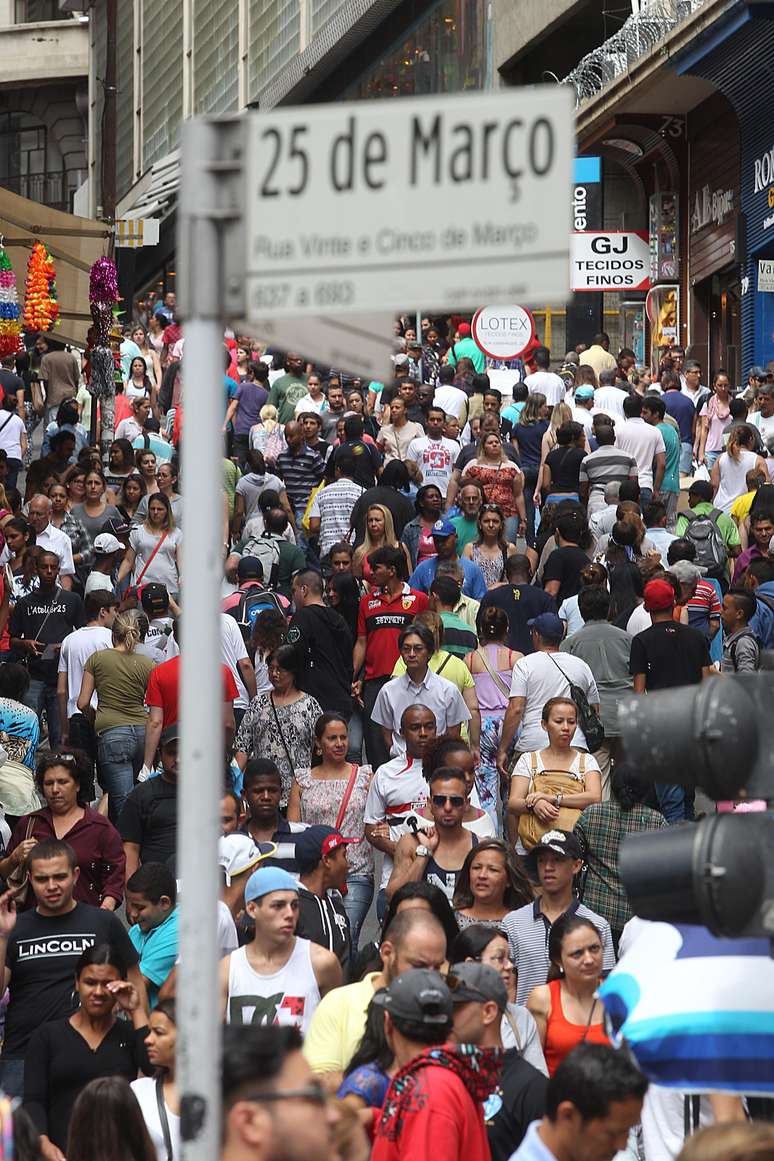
<point x="468" y="349"/>
<point x="671" y="480"/>
<point x="120" y="681"/>
<point x="285" y="394"/>
<point x="458" y="637"/>
<point x="467" y="531"/>
<point x="726" y="526"/>
<point x="231" y="474"/>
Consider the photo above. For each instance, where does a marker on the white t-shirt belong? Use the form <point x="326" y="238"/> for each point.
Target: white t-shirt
<point x="524" y="765"/>
<point x="398" y="789"/>
<point x="11" y="428"/>
<point x="541" y="676"/>
<point x="435" y="459"/>
<point x="583" y="416"/>
<point x="233" y="649"/>
<point x="453" y="400"/>
<point x="97" y="581"/>
<point x="610" y="400"/>
<point x="639" y="620"/>
<point x="663" y="1121"/>
<point x="145" y="1091"/>
<point x="307" y="403"/>
<point x="755" y="419"/>
<point x="76" y="649"/>
<point x="548" y="384"/>
<point x="129" y="429"/>
<point x="642" y="441"/>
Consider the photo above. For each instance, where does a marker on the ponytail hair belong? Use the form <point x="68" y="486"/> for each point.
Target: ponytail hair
<point x="126" y="631"/>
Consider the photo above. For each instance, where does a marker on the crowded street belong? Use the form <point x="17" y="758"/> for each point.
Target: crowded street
<point x="386" y="583"/>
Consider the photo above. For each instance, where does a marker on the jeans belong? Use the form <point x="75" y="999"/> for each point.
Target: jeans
<point x="82" y="737"/>
<point x="686" y="456"/>
<point x="530" y="479"/>
<point x="41" y="696"/>
<point x="381" y="904"/>
<point x="710" y="456"/>
<point x="14" y="467"/>
<point x="671" y="802"/>
<point x="241" y="446"/>
<point x="511" y="529"/>
<point x="360" y="892"/>
<point x="119" y="758"/>
<point x="378" y="753"/>
<point x="646" y="495"/>
<point x="12" y="1076"/>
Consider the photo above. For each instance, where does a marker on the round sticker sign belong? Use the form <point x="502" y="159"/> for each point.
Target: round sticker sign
<point x="503" y="332"/>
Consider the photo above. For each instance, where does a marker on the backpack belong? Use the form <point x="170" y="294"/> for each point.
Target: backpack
<point x="706" y="537"/>
<point x="267" y="550"/>
<point x="735" y="644"/>
<point x="252" y="603"/>
<point x="768" y="601"/>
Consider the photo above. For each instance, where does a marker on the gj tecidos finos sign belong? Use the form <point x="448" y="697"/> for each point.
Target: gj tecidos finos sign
<point x="609" y="261"/>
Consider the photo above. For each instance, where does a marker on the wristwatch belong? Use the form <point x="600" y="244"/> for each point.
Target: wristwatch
<point x="424" y="852"/>
<point x="558" y="799"/>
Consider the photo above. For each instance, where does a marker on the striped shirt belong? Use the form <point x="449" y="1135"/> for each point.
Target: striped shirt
<point x="606" y="465"/>
<point x="301" y="473"/>
<point x="285" y="839"/>
<point x="528" y="930"/>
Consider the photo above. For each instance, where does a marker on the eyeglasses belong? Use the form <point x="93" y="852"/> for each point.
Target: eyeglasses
<point x="441" y="799"/>
<point x="314" y="1092"/>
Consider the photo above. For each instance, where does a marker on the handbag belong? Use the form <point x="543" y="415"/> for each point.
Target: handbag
<point x="588" y="718"/>
<point x="531" y="829"/>
<point x="163" y="1118"/>
<point x="149" y="561"/>
<point x="347" y="796"/>
<point x="19" y="878"/>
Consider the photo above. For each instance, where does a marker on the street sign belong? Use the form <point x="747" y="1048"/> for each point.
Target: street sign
<point x="503" y="332"/>
<point x="448" y="201"/>
<point x="610" y="261"/>
<point x="361" y="344"/>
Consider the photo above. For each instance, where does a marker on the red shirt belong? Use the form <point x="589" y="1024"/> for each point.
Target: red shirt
<point x="380" y="620"/>
<point x="164" y="689"/>
<point x="440" y="1119"/>
<point x="98" y="850"/>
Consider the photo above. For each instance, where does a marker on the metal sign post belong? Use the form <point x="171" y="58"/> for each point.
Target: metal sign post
<point x="315" y="223"/>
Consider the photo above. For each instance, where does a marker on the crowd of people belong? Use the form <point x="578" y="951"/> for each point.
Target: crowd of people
<point x="435" y="598"/>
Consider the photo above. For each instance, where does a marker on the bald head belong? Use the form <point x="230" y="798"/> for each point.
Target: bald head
<point x="39" y="512"/>
<point x="414" y="939"/>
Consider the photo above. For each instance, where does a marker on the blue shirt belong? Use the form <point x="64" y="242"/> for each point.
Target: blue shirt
<point x="158" y="953"/>
<point x="532" y="1148"/>
<point x="762" y="623"/>
<point x="681" y="409"/>
<point x="473" y="585"/>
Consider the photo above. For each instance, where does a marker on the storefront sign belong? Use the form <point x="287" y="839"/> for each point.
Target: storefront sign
<point x="711" y="208"/>
<point x="503" y="332"/>
<point x="609" y="261"/>
<point x="454" y="200"/>
<point x="763" y="182"/>
<point x="766" y="275"/>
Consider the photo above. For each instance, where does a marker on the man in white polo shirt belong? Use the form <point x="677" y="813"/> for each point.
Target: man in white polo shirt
<point x="47" y="536"/>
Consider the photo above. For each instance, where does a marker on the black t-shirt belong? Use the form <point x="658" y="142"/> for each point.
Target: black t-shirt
<point x="149" y="818"/>
<point x="47" y="619"/>
<point x="322" y="636"/>
<point x="669" y="654"/>
<point x="564" y="565"/>
<point x="529" y="439"/>
<point x="10" y="382"/>
<point x="518" y="1100"/>
<point x="368" y="460"/>
<point x="521" y="603"/>
<point x="565" y="463"/>
<point x="42" y="954"/>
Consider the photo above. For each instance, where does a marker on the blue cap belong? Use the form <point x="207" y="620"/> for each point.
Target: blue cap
<point x="548" y="625"/>
<point x="267" y="879"/>
<point x="585" y="391"/>
<point x="444" y="527"/>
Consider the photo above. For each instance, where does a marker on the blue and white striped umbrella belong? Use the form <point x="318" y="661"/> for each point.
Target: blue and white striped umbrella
<point x="696" y="1011"/>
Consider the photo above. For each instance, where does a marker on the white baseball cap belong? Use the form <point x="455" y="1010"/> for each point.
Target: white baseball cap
<point x="237" y="854"/>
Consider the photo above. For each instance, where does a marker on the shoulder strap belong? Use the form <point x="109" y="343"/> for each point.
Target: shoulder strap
<point x="715" y="515"/>
<point x="148" y="562"/>
<point x="347" y="796"/>
<point x="495" y="676"/>
<point x="533" y="763"/>
<point x="443" y="664"/>
<point x="163" y="1118"/>
<point x="8" y="419"/>
<point x="282" y="736"/>
<point x="582" y="764"/>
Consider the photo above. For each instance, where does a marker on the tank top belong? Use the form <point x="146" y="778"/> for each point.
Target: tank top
<point x="732" y="478"/>
<point x="562" y="1036"/>
<point x="440" y="877"/>
<point x="493" y="697"/>
<point x="288" y="996"/>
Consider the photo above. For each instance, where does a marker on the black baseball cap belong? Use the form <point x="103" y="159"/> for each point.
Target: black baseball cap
<point x="154" y="599"/>
<point x="312" y="844"/>
<point x="250" y="568"/>
<point x="419" y="995"/>
<point x="117" y="528"/>
<point x="561" y="842"/>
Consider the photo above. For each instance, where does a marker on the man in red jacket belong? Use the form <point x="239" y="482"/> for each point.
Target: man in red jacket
<point x="433" y="1106"/>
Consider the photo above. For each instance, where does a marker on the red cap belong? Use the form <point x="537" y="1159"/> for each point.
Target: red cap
<point x="463" y="330"/>
<point x="334" y="841"/>
<point x="659" y="596"/>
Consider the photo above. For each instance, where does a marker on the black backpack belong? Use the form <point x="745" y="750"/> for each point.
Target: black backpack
<point x="252" y="603"/>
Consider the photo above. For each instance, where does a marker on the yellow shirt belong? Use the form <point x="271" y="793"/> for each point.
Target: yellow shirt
<point x="740" y="509"/>
<point x="337" y="1026"/>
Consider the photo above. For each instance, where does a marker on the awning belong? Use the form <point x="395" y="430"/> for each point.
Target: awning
<point x="155" y="194"/>
<point x="75" y="245"/>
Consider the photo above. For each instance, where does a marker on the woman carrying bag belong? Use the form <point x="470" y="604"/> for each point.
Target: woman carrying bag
<point x="550" y="787"/>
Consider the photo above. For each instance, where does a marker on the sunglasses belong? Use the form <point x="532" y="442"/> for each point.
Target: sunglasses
<point x="441" y="799"/>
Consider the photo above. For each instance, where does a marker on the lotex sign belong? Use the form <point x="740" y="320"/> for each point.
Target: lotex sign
<point x="609" y="261"/>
